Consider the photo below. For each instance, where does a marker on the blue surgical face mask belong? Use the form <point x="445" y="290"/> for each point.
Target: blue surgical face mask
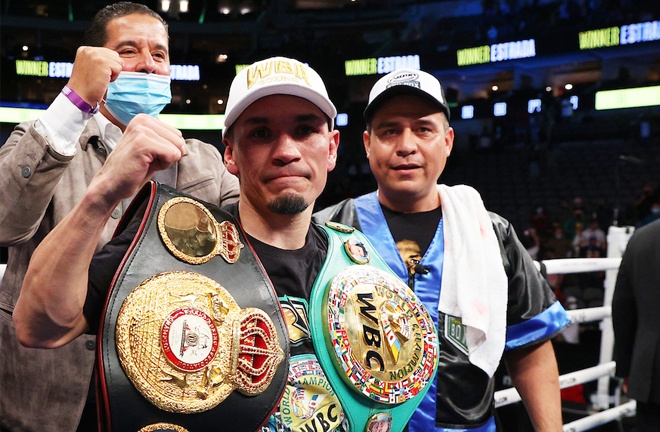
<point x="133" y="93"/>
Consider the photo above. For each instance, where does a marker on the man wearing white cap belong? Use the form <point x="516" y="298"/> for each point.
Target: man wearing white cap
<point x="280" y="143"/>
<point x="466" y="264"/>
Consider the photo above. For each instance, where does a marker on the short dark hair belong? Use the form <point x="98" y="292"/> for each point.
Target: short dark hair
<point x="97" y="32"/>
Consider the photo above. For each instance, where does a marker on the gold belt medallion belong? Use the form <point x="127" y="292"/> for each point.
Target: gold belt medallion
<point x="384" y="340"/>
<point x="192" y="234"/>
<point x="309" y="402"/>
<point x="163" y="427"/>
<point x="186" y="345"/>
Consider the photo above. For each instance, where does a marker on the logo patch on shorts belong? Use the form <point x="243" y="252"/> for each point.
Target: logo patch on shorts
<point x="455" y="333"/>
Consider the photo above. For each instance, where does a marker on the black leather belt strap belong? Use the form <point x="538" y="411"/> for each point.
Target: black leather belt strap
<point x="148" y="264"/>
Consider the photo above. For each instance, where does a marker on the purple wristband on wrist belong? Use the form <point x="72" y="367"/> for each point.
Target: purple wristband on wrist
<point x="78" y="101"/>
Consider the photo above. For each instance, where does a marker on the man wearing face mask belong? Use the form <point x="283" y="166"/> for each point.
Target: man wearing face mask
<point x="46" y="166"/>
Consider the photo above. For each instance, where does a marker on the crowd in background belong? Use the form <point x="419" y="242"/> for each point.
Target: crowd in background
<point x="504" y="19"/>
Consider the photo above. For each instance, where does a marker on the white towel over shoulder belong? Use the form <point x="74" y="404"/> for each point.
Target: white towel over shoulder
<point x="474" y="284"/>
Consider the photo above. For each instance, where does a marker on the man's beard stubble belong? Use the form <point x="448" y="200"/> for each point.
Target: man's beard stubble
<point x="289" y="204"/>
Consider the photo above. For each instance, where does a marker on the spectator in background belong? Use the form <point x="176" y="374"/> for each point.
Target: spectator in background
<point x="578" y="203"/>
<point x="644" y="201"/>
<point x="531" y="241"/>
<point x="541" y="222"/>
<point x="592" y="249"/>
<point x="555" y="247"/>
<point x="654" y="213"/>
<point x="563" y="212"/>
<point x="574" y="226"/>
<point x="593" y="231"/>
<point x="561" y="246"/>
<point x="576" y="240"/>
<point x="636" y="322"/>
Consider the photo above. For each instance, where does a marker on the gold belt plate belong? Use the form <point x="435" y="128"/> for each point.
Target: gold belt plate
<point x="185" y="344"/>
<point x="382" y="336"/>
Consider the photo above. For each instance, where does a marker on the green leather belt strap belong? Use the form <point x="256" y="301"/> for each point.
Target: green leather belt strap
<point x="373" y="337"/>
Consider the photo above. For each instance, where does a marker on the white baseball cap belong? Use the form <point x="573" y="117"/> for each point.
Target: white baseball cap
<point x="406" y="81"/>
<point x="276" y="75"/>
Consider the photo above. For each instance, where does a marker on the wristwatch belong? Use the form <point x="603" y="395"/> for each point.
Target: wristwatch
<point x="78" y="101"/>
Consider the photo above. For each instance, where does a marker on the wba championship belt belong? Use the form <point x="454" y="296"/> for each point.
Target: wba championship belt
<point x="374" y="338"/>
<point x="192" y="338"/>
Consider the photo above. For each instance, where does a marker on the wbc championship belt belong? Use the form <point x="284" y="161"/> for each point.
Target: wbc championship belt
<point x="374" y="338"/>
<point x="192" y="336"/>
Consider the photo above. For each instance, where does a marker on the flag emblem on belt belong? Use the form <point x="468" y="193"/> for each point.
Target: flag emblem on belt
<point x="384" y="340"/>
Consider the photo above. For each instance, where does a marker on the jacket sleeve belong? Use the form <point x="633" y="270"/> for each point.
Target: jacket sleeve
<point x="533" y="314"/>
<point x="343" y="212"/>
<point x="624" y="314"/>
<point x="202" y="173"/>
<point x="30" y="171"/>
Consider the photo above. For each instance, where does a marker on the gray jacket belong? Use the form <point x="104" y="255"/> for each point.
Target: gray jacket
<point x="41" y="389"/>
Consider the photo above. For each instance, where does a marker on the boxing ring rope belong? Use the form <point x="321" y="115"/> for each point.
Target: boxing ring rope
<point x="580" y="265"/>
<point x="579" y="316"/>
<point x="627" y="409"/>
<point x="617" y="239"/>
<point x="510" y="395"/>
